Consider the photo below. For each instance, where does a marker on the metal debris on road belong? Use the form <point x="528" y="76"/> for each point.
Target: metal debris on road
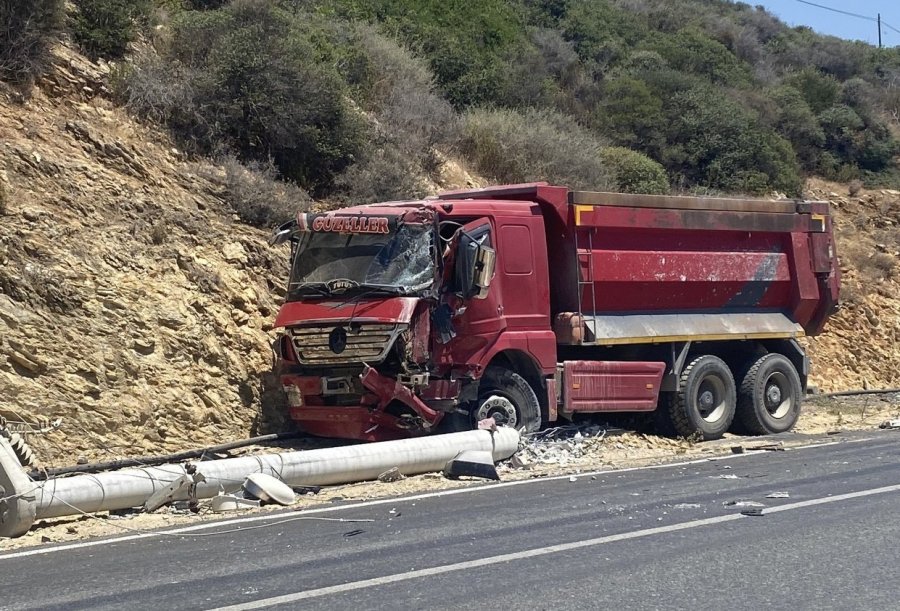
<point x="778" y="495"/>
<point x="472" y="463"/>
<point x="307" y="490"/>
<point x="776" y="446"/>
<point x="266" y="487"/>
<point x="230" y="502"/>
<point x="742" y="504"/>
<point x="890" y="424"/>
<point x="166" y="494"/>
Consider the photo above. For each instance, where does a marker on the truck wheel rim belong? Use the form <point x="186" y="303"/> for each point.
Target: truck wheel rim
<point x="776" y="395"/>
<point x="500" y="409"/>
<point x="711" y="398"/>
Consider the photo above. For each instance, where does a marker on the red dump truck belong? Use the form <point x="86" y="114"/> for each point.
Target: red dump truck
<point x="530" y="303"/>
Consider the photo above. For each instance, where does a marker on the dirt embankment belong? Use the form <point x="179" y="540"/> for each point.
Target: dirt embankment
<point x="861" y="345"/>
<point x="132" y="305"/>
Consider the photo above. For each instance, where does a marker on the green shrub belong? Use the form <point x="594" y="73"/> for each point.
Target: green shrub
<point x="632" y="113"/>
<point x="257" y="81"/>
<point x="819" y="90"/>
<point x="27" y="29"/>
<point x="386" y="173"/>
<point x="796" y="121"/>
<point x="512" y="146"/>
<point x="203" y="5"/>
<point x="694" y="52"/>
<point x="257" y="196"/>
<point x="399" y="90"/>
<point x="714" y="142"/>
<point x="465" y="43"/>
<point x="602" y="34"/>
<point x="103" y="28"/>
<point x="634" y="172"/>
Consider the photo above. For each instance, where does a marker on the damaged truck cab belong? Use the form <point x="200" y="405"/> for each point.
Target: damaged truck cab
<point x="528" y="303"/>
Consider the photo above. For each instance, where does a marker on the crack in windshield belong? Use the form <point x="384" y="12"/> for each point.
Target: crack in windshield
<point x="398" y="263"/>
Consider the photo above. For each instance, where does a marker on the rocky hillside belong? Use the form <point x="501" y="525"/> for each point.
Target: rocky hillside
<point x="132" y="304"/>
<point x="135" y="307"/>
<point x="861" y="348"/>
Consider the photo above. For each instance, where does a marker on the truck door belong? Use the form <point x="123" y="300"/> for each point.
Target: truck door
<point x="478" y="318"/>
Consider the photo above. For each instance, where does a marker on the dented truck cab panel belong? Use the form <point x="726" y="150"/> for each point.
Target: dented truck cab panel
<point x="379" y="366"/>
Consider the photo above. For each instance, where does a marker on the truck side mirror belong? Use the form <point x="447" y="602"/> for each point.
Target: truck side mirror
<point x="485" y="261"/>
<point x="475" y="262"/>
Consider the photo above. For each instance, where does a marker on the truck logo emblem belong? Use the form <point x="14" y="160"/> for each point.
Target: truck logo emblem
<point x="336" y="287"/>
<point x="337" y="340"/>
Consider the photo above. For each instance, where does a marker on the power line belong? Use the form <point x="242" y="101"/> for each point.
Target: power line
<point x="877" y="20"/>
<point x="889" y="26"/>
<point x="835" y="10"/>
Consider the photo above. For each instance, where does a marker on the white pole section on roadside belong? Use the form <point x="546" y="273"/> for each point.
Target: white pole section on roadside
<point x="128" y="488"/>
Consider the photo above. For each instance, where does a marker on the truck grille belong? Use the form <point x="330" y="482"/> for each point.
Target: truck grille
<point x="368" y="343"/>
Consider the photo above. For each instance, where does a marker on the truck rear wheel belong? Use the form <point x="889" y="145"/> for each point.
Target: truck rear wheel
<point x="770" y="395"/>
<point x="705" y="400"/>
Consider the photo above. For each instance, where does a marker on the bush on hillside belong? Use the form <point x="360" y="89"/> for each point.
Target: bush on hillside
<point x="389" y="82"/>
<point x="694" y="52"/>
<point x="512" y="146"/>
<point x="634" y="172"/>
<point x="103" y="28"/>
<point x="715" y="143"/>
<point x="27" y="29"/>
<point x="543" y="74"/>
<point x="819" y="90"/>
<point x="386" y="173"/>
<point x="153" y="87"/>
<point x="602" y="34"/>
<point x="465" y="43"/>
<point x="257" y="196"/>
<point x="796" y="121"/>
<point x="257" y="81"/>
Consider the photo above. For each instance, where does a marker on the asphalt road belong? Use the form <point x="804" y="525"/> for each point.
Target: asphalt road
<point x="663" y="538"/>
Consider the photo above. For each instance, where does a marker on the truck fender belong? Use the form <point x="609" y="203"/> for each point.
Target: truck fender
<point x="677" y="361"/>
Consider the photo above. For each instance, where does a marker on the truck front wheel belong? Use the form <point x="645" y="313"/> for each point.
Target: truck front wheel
<point x="705" y="400"/>
<point x="506" y="397"/>
<point x="770" y="395"/>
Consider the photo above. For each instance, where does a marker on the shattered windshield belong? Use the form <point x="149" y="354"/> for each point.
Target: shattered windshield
<point x="401" y="261"/>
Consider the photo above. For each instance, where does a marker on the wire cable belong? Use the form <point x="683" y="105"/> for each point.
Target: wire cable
<point x="836" y="10"/>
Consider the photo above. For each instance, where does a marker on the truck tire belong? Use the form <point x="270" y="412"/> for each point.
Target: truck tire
<point x="770" y="395"/>
<point x="705" y="401"/>
<point x="509" y="399"/>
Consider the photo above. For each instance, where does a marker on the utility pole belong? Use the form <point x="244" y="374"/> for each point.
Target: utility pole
<point x="879" y="30"/>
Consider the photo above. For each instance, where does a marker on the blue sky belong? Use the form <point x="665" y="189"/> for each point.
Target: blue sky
<point x="794" y="13"/>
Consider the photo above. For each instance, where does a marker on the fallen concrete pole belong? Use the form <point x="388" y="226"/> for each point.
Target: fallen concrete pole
<point x="17" y="501"/>
<point x="132" y="487"/>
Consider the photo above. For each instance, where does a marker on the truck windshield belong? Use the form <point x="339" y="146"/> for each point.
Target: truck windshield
<point x="401" y="262"/>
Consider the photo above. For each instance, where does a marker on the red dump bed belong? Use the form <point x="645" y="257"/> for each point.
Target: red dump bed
<point x="667" y="267"/>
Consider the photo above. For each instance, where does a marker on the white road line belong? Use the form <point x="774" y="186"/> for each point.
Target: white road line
<point x="425" y="495"/>
<point x="534" y="552"/>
